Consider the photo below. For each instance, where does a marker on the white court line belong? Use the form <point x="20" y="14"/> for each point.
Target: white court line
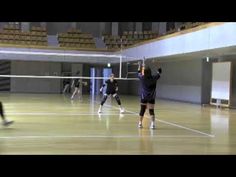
<point x="183" y="127"/>
<point x="132" y="113"/>
<point x="63" y="114"/>
<point x="180" y="126"/>
<point x="100" y="136"/>
<point x="136" y="114"/>
<point x="169" y="123"/>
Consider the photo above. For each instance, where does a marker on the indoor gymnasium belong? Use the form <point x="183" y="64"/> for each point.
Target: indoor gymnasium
<point x="118" y="88"/>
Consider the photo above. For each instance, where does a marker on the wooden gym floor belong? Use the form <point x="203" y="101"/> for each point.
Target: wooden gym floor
<point x="53" y="124"/>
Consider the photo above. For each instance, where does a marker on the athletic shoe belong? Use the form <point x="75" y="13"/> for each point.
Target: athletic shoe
<point x="140" y="125"/>
<point x="99" y="110"/>
<point x="7" y="122"/>
<point x="122" y="110"/>
<point x="152" y="126"/>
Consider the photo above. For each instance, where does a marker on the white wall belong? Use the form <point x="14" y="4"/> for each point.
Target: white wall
<point x="214" y="37"/>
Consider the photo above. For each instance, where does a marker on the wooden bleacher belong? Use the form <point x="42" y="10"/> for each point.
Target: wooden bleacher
<point x="74" y="38"/>
<point x="12" y="34"/>
<point x="127" y="39"/>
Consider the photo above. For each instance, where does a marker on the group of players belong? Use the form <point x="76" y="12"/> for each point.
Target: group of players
<point x="148" y="93"/>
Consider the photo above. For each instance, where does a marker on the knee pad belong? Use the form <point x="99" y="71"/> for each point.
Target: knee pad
<point x="118" y="99"/>
<point x="104" y="99"/>
<point x="142" y="110"/>
<point x="151" y="112"/>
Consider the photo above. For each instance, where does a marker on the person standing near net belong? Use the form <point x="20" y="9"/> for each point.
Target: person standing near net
<point x="76" y="82"/>
<point x="111" y="89"/>
<point x="5" y="122"/>
<point x="148" y="93"/>
<point x="66" y="84"/>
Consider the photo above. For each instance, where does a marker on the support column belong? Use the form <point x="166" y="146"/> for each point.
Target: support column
<point x="73" y="25"/>
<point x="139" y="26"/>
<point x="25" y="26"/>
<point x="155" y="26"/>
<point x="43" y="24"/>
<point x="114" y="28"/>
<point x="102" y="26"/>
<point x="162" y="28"/>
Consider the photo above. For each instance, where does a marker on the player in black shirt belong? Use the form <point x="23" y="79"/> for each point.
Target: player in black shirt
<point x="112" y="88"/>
<point x="66" y="84"/>
<point x="76" y="82"/>
<point x="148" y="93"/>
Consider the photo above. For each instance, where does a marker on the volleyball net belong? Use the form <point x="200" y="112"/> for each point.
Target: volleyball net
<point x="49" y="72"/>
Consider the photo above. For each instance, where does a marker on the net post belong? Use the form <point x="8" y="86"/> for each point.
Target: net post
<point x="143" y="66"/>
<point x="120" y="66"/>
<point x="120" y="59"/>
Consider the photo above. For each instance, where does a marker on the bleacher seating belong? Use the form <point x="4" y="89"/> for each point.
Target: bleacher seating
<point x="74" y="38"/>
<point x="127" y="39"/>
<point x="12" y="34"/>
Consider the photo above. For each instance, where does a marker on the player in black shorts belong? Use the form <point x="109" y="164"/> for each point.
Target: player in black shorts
<point x="148" y="93"/>
<point x="112" y="88"/>
<point x="76" y="82"/>
<point x="5" y="122"/>
<point x="66" y="84"/>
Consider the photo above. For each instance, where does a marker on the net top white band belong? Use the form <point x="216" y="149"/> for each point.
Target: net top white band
<point x="62" y="77"/>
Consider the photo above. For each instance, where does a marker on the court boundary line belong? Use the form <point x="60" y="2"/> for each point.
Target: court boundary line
<point x="170" y="123"/>
<point x="100" y="136"/>
<point x="127" y="136"/>
<point x="64" y="114"/>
